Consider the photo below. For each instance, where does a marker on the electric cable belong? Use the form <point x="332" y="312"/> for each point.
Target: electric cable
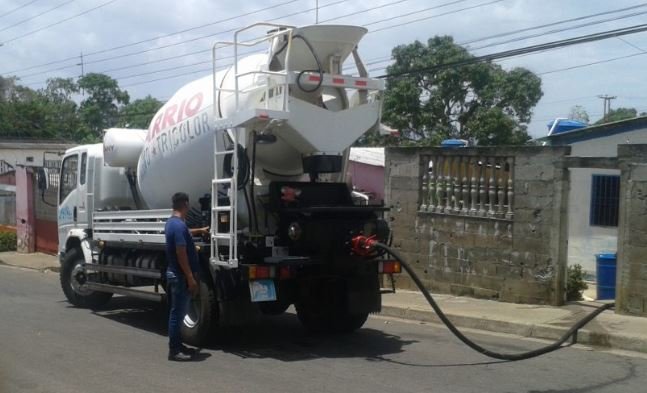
<point x="572" y="332"/>
<point x="36" y="16"/>
<point x="18" y="8"/>
<point x="57" y="23"/>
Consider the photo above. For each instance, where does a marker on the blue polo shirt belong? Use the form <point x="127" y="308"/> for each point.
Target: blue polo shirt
<point x="177" y="234"/>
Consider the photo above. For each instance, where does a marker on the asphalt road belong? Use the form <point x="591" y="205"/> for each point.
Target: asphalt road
<point x="48" y="346"/>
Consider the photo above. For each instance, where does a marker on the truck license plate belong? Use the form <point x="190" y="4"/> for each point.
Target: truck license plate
<point x="262" y="290"/>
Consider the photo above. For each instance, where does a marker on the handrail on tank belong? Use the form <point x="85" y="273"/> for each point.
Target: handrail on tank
<point x="286" y="29"/>
<point x="282" y="29"/>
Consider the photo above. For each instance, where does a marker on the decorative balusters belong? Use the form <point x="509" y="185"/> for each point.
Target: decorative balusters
<point x="510" y="214"/>
<point x="424" y="162"/>
<point x="491" y="189"/>
<point x="474" y="185"/>
<point x="431" y="184"/>
<point x="449" y="190"/>
<point x="423" y="185"/>
<point x="458" y="191"/>
<point x="500" y="195"/>
<point x="465" y="205"/>
<point x="482" y="193"/>
<point x="467" y="185"/>
<point x="440" y="185"/>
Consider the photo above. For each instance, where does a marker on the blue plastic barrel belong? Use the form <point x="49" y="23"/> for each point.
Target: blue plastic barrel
<point x="606" y="275"/>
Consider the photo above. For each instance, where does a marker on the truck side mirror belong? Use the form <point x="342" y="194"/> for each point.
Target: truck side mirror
<point x="43" y="183"/>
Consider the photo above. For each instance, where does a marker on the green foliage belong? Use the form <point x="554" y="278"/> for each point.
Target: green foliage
<point x="71" y="110"/>
<point x="579" y="113"/>
<point x="481" y="102"/>
<point x="100" y="109"/>
<point x="7" y="241"/>
<point x="139" y="113"/>
<point x="618" y="114"/>
<point x="575" y="283"/>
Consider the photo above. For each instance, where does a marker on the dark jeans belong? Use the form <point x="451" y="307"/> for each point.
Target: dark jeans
<point x="179" y="298"/>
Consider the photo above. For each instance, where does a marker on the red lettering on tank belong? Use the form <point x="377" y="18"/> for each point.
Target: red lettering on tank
<point x="168" y="116"/>
<point x="194" y="105"/>
<point x="155" y="129"/>
<point x="180" y="113"/>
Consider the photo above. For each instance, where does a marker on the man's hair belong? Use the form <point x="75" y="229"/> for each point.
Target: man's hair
<point x="179" y="200"/>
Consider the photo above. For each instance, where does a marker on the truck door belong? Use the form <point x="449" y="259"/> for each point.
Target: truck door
<point x="68" y="197"/>
<point x="82" y="192"/>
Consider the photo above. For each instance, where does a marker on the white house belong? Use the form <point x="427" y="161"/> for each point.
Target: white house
<point x="594" y="193"/>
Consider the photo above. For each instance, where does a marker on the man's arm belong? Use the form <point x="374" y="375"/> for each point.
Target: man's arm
<point x="199" y="231"/>
<point x="183" y="261"/>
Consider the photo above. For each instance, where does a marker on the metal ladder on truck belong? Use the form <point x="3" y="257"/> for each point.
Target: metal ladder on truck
<point x="229" y="131"/>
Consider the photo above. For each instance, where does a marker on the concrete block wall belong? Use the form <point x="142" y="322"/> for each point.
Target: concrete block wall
<point x="631" y="278"/>
<point x="520" y="260"/>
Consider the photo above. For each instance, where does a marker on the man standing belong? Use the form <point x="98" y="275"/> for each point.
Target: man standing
<point x="182" y="273"/>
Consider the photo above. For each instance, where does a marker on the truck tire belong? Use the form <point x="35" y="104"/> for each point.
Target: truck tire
<point x="72" y="277"/>
<point x="201" y="321"/>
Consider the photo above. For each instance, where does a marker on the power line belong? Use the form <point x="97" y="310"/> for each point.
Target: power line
<point x="383" y="59"/>
<point x="168" y="35"/>
<point x="363" y="11"/>
<point x="507" y="33"/>
<point x="432" y="16"/>
<point x="37" y="15"/>
<point x="18" y="8"/>
<point x="590" y="64"/>
<point x="57" y="23"/>
<point x="210" y="35"/>
<point x="587" y="24"/>
<point x="528" y="49"/>
<point x="193" y="28"/>
<point x="371" y="23"/>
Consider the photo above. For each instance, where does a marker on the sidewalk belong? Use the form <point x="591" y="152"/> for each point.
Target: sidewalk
<point x="527" y="320"/>
<point x="546" y="322"/>
<point x="37" y="261"/>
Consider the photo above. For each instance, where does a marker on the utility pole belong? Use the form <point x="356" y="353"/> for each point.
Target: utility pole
<point x="607" y="104"/>
<point x="316" y="12"/>
<point x="82" y="71"/>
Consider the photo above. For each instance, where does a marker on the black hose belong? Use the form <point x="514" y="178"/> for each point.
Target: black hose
<point x="319" y="67"/>
<point x="496" y="355"/>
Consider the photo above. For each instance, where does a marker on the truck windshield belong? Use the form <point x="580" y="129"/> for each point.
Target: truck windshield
<point x="69" y="171"/>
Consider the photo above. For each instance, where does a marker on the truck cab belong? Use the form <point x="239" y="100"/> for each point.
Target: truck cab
<point x="85" y="185"/>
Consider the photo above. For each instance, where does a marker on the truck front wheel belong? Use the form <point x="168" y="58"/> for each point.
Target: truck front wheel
<point x="201" y="319"/>
<point x="73" y="276"/>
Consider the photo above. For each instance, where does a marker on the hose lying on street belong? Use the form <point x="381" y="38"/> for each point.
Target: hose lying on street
<point x="496" y="355"/>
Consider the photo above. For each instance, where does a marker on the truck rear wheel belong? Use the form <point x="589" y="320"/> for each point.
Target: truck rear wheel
<point x="73" y="276"/>
<point x="201" y="320"/>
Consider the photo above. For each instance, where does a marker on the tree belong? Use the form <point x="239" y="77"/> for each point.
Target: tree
<point x="480" y="102"/>
<point x="104" y="99"/>
<point x="579" y="113"/>
<point x="139" y="113"/>
<point x="618" y="114"/>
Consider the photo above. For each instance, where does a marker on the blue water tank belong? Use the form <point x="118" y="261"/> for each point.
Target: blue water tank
<point x="606" y="274"/>
<point x="559" y="126"/>
<point x="453" y="143"/>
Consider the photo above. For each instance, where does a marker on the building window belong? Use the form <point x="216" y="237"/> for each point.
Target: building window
<point x="605" y="194"/>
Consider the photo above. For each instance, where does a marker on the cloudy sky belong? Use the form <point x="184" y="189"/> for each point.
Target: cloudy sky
<point x="155" y="46"/>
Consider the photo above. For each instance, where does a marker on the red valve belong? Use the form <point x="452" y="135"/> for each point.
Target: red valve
<point x="362" y="245"/>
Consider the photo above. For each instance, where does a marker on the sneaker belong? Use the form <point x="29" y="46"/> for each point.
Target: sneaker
<point x="188" y="350"/>
<point x="179" y="357"/>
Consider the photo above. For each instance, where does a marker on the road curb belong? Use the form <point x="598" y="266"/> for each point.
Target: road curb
<point x="542" y="331"/>
<point x="54" y="269"/>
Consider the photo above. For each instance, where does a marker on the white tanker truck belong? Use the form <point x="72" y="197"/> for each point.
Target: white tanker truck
<point x="261" y="148"/>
